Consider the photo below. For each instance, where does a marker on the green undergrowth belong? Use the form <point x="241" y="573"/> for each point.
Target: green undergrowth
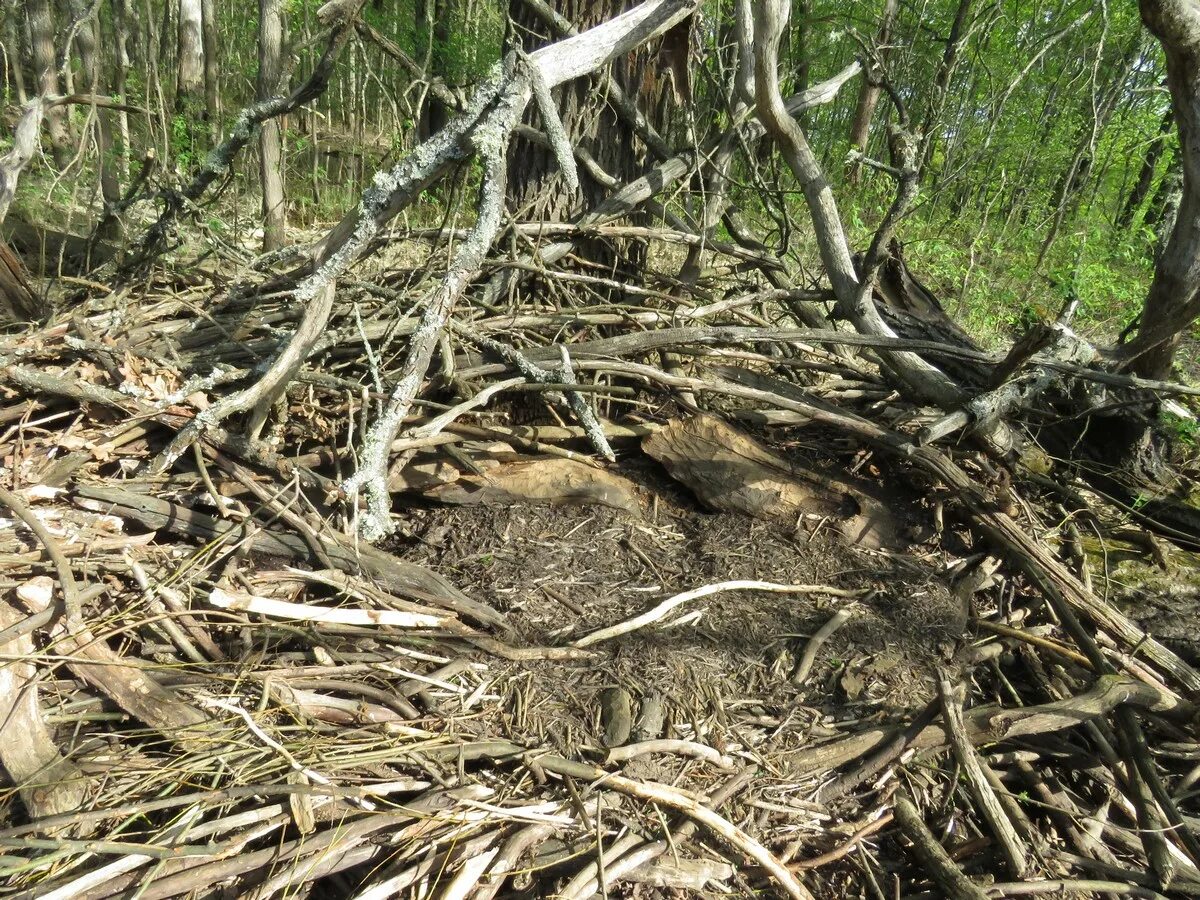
<point x="986" y="274"/>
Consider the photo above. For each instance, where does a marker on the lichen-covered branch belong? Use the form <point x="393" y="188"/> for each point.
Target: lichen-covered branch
<point x="583" y="411"/>
<point x="389" y="193"/>
<point x="491" y="140"/>
<point x="553" y="126"/>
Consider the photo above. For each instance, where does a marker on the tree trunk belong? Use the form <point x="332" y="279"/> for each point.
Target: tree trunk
<point x="868" y="94"/>
<point x="87" y="41"/>
<point x="270" y="70"/>
<point x="1146" y="176"/>
<point x="14" y="68"/>
<point x="436" y="16"/>
<point x="212" y="84"/>
<point x="536" y="189"/>
<point x="941" y="82"/>
<point x="41" y="36"/>
<point x="120" y="78"/>
<point x="189" y="77"/>
<point x="1069" y="188"/>
<point x="1174" y="298"/>
<point x="801" y="53"/>
<point x="1165" y="201"/>
<point x="17" y="299"/>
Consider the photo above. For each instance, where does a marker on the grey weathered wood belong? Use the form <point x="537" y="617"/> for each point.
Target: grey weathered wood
<point x="396" y="574"/>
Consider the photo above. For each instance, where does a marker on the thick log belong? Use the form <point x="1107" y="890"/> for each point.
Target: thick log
<point x="48" y="251"/>
<point x="49" y="784"/>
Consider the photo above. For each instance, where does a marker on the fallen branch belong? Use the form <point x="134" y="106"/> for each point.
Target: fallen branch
<point x="936" y="861"/>
<point x="659" y="612"/>
<point x="683" y="748"/>
<point x="985" y="725"/>
<point x="308" y="612"/>
<point x="676" y="799"/>
<point x="820" y="636"/>
<point x="1016" y="853"/>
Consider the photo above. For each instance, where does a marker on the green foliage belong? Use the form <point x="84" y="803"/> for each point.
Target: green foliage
<point x="461" y="42"/>
<point x="1186" y="430"/>
<point x="182" y="141"/>
<point x="1034" y="92"/>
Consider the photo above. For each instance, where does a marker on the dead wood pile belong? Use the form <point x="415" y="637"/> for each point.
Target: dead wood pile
<point x="212" y="686"/>
<point x="244" y="653"/>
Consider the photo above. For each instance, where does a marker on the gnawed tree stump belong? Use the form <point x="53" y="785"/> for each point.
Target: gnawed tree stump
<point x="728" y="470"/>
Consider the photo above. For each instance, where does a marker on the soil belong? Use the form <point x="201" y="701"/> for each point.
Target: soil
<point x="723" y="664"/>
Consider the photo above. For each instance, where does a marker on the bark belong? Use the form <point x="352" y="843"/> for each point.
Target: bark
<point x="1141" y="190"/>
<point x="591" y="124"/>
<point x="189" y="78"/>
<point x="212" y="84"/>
<point x="87" y="40"/>
<point x="41" y="37"/>
<point x="1173" y="301"/>
<point x="868" y="94"/>
<point x="18" y="302"/>
<point x="25" y="143"/>
<point x="270" y="70"/>
<point x="49" y="784"/>
<point x="189" y="82"/>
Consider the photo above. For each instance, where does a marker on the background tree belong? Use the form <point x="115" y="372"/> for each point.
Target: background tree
<point x="1173" y="302"/>
<point x="868" y="93"/>
<point x="536" y="189"/>
<point x="42" y="53"/>
<point x="212" y="87"/>
<point x="190" y="108"/>
<point x="270" y="71"/>
<point x="1149" y="170"/>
